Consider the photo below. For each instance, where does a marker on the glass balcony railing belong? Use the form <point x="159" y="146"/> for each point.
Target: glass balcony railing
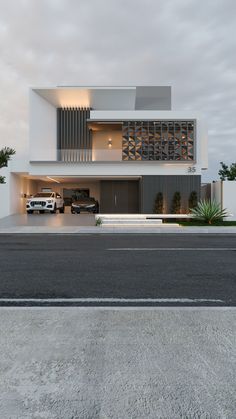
<point x="112" y="154"/>
<point x="90" y="155"/>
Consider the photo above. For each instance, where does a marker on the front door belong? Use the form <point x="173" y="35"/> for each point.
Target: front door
<point x="119" y="197"/>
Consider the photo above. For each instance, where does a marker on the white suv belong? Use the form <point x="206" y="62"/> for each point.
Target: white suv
<point x="45" y="201"/>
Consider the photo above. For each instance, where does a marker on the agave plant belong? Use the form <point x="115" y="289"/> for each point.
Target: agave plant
<point x="208" y="211"/>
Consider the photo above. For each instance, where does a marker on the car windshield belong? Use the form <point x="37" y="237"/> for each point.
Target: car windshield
<point x="43" y="195"/>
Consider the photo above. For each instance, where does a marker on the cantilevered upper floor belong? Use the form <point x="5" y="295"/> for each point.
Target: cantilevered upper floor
<point x="126" y="125"/>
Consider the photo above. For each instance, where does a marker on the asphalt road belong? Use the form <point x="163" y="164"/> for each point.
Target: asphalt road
<point x="170" y="269"/>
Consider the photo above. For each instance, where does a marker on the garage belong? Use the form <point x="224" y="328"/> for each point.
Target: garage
<point x="113" y="195"/>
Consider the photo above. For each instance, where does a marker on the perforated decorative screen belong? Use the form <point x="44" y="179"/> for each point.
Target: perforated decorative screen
<point x="158" y="140"/>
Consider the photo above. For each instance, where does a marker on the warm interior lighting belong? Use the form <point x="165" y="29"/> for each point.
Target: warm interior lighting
<point x="54" y="180"/>
<point x="110" y="142"/>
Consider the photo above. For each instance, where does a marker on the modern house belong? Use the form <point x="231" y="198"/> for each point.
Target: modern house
<point x="120" y="145"/>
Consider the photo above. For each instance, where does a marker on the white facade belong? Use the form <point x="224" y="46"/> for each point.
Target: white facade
<point x="224" y="193"/>
<point x="39" y="163"/>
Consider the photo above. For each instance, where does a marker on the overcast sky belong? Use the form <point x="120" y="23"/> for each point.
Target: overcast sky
<point x="188" y="44"/>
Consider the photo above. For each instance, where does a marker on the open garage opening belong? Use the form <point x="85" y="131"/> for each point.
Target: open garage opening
<point x="111" y="195"/>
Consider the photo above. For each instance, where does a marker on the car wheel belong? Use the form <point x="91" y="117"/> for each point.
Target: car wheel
<point x="54" y="210"/>
<point x="41" y="212"/>
<point x="62" y="210"/>
<point x="30" y="212"/>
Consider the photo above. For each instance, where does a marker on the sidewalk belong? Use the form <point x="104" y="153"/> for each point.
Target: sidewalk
<point x="117" y="363"/>
<point x="115" y="230"/>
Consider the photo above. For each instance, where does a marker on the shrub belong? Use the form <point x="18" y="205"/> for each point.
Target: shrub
<point x="98" y="222"/>
<point x="227" y="172"/>
<point x="158" y="205"/>
<point x="208" y="211"/>
<point x="176" y="203"/>
<point x="192" y="202"/>
<point x="5" y="156"/>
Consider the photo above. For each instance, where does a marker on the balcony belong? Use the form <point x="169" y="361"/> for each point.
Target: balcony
<point x="124" y="141"/>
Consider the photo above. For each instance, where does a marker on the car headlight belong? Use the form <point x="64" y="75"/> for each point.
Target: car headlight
<point x="49" y="201"/>
<point x="75" y="205"/>
<point x="28" y="201"/>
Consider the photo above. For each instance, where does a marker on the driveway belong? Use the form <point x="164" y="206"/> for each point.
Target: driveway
<point x="47" y="220"/>
<point x="96" y="363"/>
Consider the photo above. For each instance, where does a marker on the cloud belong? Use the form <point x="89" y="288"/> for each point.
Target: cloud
<point x="123" y="42"/>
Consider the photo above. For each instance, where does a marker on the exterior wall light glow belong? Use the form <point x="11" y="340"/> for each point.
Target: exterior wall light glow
<point x="110" y="143"/>
<point x="54" y="180"/>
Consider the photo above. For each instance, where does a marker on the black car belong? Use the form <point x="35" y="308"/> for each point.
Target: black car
<point x="84" y="204"/>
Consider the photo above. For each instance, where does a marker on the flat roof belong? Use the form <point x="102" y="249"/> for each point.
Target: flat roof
<point x="108" y="97"/>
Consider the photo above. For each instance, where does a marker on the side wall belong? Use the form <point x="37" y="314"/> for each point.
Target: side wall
<point x="168" y="185"/>
<point x="20" y="186"/>
<point x="229" y="198"/>
<point x="224" y="193"/>
<point x="42" y="129"/>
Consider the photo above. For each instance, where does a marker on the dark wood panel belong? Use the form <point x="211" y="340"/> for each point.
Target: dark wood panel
<point x="119" y="197"/>
<point x="168" y="185"/>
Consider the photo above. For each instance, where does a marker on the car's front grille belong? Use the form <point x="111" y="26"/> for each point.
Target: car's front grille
<point x="42" y="203"/>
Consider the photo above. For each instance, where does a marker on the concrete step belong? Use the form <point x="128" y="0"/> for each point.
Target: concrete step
<point x="141" y="226"/>
<point x="130" y="221"/>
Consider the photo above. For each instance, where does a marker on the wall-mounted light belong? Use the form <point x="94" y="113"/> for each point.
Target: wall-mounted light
<point x="110" y="143"/>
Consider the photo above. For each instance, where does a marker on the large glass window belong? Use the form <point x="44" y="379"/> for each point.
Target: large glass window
<point x="158" y="140"/>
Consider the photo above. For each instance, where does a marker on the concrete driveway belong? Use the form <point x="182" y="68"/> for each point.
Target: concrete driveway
<point x="96" y="363"/>
<point x="47" y="220"/>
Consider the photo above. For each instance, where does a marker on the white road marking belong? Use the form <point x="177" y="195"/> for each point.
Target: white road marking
<point x="109" y="300"/>
<point x="173" y="249"/>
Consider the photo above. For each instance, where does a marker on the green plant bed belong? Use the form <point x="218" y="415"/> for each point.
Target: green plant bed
<point x="175" y="220"/>
<point x="194" y="223"/>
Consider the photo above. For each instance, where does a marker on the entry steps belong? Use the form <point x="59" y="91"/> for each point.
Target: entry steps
<point x="132" y="220"/>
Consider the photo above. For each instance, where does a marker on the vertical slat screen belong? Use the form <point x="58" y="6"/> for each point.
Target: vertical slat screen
<point x="74" y="138"/>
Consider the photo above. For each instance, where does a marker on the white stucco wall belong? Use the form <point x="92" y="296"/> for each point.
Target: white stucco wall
<point x="225" y="194"/>
<point x="229" y="197"/>
<point x="100" y="149"/>
<point x="115" y="168"/>
<point x="20" y="186"/>
<point x="42" y="129"/>
<point x="12" y="200"/>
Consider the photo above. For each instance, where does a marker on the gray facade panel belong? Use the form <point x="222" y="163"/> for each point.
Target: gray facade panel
<point x="168" y="185"/>
<point x="153" y="98"/>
